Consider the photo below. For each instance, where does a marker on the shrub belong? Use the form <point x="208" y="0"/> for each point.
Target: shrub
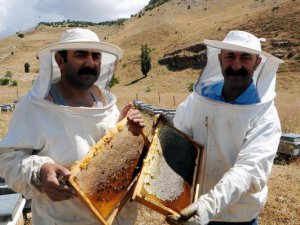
<point x="8" y="74"/>
<point x="113" y="81"/>
<point x="14" y="83"/>
<point x="4" y="81"/>
<point x="148" y="89"/>
<point x="191" y="87"/>
<point x="26" y="67"/>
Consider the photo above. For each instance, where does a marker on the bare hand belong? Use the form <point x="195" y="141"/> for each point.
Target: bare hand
<point x="51" y="177"/>
<point x="133" y="115"/>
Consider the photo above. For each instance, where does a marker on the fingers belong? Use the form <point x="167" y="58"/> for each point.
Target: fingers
<point x="173" y="220"/>
<point x="52" y="176"/>
<point x="135" y="116"/>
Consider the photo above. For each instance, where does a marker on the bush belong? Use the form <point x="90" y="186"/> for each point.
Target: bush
<point x="14" y="83"/>
<point x="4" y="81"/>
<point x="113" y="81"/>
<point x="191" y="87"/>
<point x="8" y="74"/>
<point x="26" y="67"/>
<point x="148" y="89"/>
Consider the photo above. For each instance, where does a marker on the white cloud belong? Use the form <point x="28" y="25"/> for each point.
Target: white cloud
<point x="18" y="15"/>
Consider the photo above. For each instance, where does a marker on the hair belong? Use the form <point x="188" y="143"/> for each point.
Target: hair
<point x="63" y="54"/>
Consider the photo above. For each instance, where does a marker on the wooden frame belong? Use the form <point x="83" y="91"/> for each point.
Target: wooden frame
<point x="108" y="209"/>
<point x="165" y="208"/>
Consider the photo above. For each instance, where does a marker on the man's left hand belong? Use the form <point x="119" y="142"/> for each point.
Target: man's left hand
<point x="133" y="115"/>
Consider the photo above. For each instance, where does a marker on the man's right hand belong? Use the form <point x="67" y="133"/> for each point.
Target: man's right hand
<point x="51" y="177"/>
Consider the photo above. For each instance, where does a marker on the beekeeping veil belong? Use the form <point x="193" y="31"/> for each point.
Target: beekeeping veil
<point x="80" y="39"/>
<point x="264" y="76"/>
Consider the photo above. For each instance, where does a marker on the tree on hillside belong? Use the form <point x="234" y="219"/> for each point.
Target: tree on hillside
<point x="145" y="60"/>
<point x="26" y="67"/>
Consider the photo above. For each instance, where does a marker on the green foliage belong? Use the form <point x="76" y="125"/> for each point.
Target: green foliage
<point x="4" y="81"/>
<point x="27" y="67"/>
<point x="148" y="89"/>
<point x="124" y="65"/>
<point x="14" y="83"/>
<point x="145" y="60"/>
<point x="69" y="23"/>
<point x="20" y="35"/>
<point x="191" y="87"/>
<point x="8" y="74"/>
<point x="113" y="81"/>
<point x="155" y="3"/>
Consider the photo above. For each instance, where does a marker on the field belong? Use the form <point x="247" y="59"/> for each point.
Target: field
<point x="276" y="20"/>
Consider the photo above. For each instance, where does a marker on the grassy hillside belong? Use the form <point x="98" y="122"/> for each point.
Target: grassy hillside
<point x="172" y="26"/>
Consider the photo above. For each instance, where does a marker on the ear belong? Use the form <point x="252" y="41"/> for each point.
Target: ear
<point x="59" y="60"/>
<point x="257" y="62"/>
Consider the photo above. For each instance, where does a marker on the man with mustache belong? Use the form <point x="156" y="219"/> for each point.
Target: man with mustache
<point x="231" y="112"/>
<point x="68" y="109"/>
<point x="238" y="87"/>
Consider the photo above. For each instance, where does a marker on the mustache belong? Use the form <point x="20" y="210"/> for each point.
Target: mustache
<point x="236" y="73"/>
<point x="88" y="71"/>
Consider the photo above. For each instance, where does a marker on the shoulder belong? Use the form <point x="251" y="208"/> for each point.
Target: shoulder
<point x="96" y="90"/>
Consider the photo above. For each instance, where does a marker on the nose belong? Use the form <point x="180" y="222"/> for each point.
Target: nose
<point x="89" y="61"/>
<point x="236" y="64"/>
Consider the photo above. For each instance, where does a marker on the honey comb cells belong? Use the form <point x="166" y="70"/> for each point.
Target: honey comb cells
<point x="171" y="175"/>
<point x="104" y="176"/>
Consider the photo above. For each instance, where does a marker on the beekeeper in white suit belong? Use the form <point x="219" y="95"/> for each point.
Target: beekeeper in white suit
<point x="68" y="109"/>
<point x="231" y="111"/>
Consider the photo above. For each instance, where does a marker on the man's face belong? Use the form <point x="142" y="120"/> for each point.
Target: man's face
<point x="82" y="68"/>
<point x="238" y="68"/>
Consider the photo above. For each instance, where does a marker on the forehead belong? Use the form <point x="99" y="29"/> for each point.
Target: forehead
<point x="236" y="53"/>
<point x="73" y="51"/>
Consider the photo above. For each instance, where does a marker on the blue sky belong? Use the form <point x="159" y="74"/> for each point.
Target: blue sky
<point x="19" y="15"/>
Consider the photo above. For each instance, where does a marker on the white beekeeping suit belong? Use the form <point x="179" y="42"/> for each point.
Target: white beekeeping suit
<point x="58" y="133"/>
<point x="240" y="140"/>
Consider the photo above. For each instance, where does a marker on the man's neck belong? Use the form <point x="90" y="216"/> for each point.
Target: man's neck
<point x="230" y="94"/>
<point x="74" y="96"/>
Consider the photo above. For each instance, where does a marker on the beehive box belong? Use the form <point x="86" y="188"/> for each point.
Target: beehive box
<point x="104" y="178"/>
<point x="171" y="175"/>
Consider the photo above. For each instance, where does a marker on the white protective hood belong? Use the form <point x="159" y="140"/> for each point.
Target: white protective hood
<point x="264" y="76"/>
<point x="50" y="73"/>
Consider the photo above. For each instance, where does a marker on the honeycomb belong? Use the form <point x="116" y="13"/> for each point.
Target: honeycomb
<point x="105" y="175"/>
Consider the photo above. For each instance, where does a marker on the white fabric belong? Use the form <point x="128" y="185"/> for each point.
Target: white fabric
<point x="240" y="140"/>
<point x="61" y="134"/>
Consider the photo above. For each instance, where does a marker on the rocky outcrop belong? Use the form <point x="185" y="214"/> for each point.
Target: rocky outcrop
<point x="192" y="57"/>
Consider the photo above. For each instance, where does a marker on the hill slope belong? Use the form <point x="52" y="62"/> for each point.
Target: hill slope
<point x="171" y="27"/>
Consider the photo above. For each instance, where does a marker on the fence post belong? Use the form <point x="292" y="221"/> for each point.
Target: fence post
<point x="174" y="101"/>
<point x="158" y="97"/>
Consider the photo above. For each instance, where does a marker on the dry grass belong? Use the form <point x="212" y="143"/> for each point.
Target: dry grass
<point x="288" y="105"/>
<point x="4" y="118"/>
<point x="283" y="205"/>
<point x="164" y="32"/>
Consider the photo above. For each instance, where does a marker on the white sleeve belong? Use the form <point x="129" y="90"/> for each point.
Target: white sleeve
<point x="250" y="171"/>
<point x="20" y="170"/>
<point x="183" y="120"/>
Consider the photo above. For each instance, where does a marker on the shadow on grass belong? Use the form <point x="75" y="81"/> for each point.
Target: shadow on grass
<point x="134" y="81"/>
